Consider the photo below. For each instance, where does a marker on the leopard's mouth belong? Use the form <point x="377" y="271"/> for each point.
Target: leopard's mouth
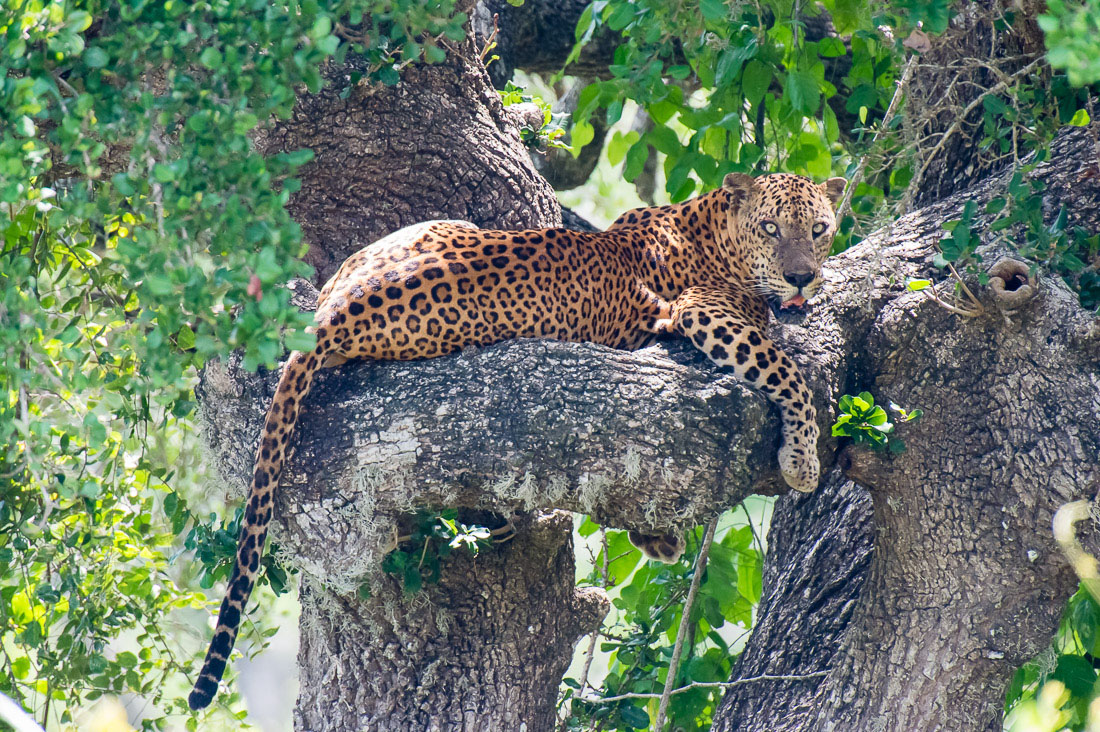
<point x="793" y="310"/>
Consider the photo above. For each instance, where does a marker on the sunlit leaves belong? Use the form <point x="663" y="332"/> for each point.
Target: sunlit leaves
<point x="732" y="87"/>
<point x="1071" y="32"/>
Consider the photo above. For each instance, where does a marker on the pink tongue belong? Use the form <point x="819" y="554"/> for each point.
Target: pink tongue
<point x="795" y="302"/>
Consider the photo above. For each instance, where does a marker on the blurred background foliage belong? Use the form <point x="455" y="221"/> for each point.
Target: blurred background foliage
<point x="142" y="234"/>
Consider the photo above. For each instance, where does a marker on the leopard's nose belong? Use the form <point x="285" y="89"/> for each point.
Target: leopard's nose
<point x="798" y="279"/>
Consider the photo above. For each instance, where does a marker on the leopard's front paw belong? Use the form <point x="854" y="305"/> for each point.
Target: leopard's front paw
<point x="799" y="465"/>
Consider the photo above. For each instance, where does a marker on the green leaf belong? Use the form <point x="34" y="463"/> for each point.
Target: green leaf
<point x="664" y="140"/>
<point x="994" y="104"/>
<point x="1080" y="118"/>
<point x="185" y="339"/>
<point x="832" y="128"/>
<point x="388" y="75"/>
<point x="20" y="667"/>
<point x="1076" y="673"/>
<point x="95" y="57"/>
<point x="211" y="58"/>
<point x="300" y="340"/>
<point x="619" y="144"/>
<point x="635" y="160"/>
<point x="620" y="17"/>
<point x="749" y="577"/>
<point x="633" y="716"/>
<point x="163" y="172"/>
<point x="756" y="80"/>
<point x="583" y="133"/>
<point x="413" y="580"/>
<point x="588" y="527"/>
<point x="803" y="92"/>
<point x="918" y="285"/>
<point x="830" y="47"/>
<point x="435" y="54"/>
<point x="714" y="9"/>
<point x="321" y="27"/>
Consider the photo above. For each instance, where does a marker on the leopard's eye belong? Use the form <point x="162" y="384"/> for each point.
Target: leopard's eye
<point x="770" y="228"/>
<point x="819" y="228"/>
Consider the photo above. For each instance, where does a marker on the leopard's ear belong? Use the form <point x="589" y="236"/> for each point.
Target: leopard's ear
<point x="834" y="189"/>
<point x="739" y="186"/>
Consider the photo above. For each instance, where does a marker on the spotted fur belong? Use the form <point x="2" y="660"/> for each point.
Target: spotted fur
<point x="704" y="269"/>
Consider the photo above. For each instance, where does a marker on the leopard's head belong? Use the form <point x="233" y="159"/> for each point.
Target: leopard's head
<point x="781" y="228"/>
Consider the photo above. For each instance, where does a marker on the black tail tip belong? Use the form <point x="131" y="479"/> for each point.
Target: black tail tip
<point x="198" y="701"/>
<point x="202" y="694"/>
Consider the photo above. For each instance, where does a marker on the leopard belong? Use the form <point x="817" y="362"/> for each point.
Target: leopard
<point x="711" y="270"/>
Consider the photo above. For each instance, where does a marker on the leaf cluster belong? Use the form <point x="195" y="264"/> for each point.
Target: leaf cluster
<point x="739" y="87"/>
<point x="866" y="423"/>
<point x="1054" y="692"/>
<point x="140" y="235"/>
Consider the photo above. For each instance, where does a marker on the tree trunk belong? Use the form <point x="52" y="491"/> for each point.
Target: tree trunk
<point x="426" y="661"/>
<point x="964" y="581"/>
<point x="438" y="145"/>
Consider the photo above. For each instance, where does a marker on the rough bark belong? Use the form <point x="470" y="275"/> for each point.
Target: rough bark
<point x="422" y="662"/>
<point x="819" y="553"/>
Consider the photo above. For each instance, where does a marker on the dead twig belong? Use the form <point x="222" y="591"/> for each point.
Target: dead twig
<point x="685" y="621"/>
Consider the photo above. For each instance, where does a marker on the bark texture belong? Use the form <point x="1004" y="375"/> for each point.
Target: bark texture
<point x="979" y="51"/>
<point x="819" y="553"/>
<point x="422" y="662"/>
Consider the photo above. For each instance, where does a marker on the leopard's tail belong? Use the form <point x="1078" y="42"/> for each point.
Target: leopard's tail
<point x="282" y="416"/>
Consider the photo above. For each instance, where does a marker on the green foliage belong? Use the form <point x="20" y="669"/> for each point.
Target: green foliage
<point x="419" y="555"/>
<point x="551" y="132"/>
<point x="638" y="637"/>
<point x="1055" y="691"/>
<point x="1068" y="251"/>
<point x="1072" y="30"/>
<point x="960" y="243"/>
<point x="866" y="423"/>
<point x="141" y="234"/>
